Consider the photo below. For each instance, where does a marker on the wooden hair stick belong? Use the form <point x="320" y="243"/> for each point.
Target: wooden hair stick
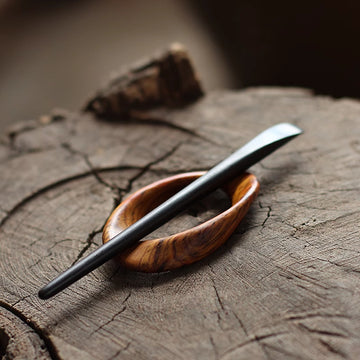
<point x="255" y="150"/>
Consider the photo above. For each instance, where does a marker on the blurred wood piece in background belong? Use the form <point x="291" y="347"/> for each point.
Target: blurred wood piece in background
<point x="167" y="78"/>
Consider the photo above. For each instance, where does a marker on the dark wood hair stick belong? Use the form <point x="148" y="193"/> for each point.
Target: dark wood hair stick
<point x="255" y="150"/>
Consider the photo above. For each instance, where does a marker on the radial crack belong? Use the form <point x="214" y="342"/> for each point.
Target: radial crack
<point x="332" y="349"/>
<point x="89" y="242"/>
<point x="268" y="214"/>
<point x="146" y="119"/>
<point x="149" y="165"/>
<point x="322" y="332"/>
<point x="27" y="126"/>
<point x="88" y="163"/>
<point x="254" y="338"/>
<point x="114" y="316"/>
<point x="120" y="351"/>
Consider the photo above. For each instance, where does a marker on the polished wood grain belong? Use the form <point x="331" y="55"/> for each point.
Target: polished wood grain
<point x="185" y="247"/>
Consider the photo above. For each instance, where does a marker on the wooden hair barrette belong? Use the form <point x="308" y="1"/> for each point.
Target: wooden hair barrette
<point x="139" y="215"/>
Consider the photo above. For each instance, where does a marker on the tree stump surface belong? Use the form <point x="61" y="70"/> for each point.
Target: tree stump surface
<point x="286" y="285"/>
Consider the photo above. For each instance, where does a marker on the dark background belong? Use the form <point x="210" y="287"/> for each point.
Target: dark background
<point x="313" y="44"/>
<point x="55" y="53"/>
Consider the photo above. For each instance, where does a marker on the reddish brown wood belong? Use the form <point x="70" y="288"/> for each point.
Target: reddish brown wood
<point x="185" y="247"/>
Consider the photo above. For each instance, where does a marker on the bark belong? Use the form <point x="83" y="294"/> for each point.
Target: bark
<point x="166" y="79"/>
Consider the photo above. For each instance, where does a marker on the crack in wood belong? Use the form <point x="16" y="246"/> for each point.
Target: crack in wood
<point x="28" y="126"/>
<point x="216" y="351"/>
<point x="253" y="338"/>
<point x="281" y="350"/>
<point x="161" y="313"/>
<point x="315" y="315"/>
<point x="21" y="299"/>
<point x="268" y="214"/>
<point x="114" y="316"/>
<point x="218" y="296"/>
<point x="345" y="267"/>
<point x="89" y="242"/>
<point x="85" y="157"/>
<point x="240" y="323"/>
<point x="332" y="349"/>
<point x="91" y="236"/>
<point x="146" y="168"/>
<point x="109" y="321"/>
<point x="144" y="118"/>
<point x="39" y="192"/>
<point x="42" y="333"/>
<point x="322" y="332"/>
<point x="120" y="351"/>
<point x="142" y="170"/>
<point x="63" y="181"/>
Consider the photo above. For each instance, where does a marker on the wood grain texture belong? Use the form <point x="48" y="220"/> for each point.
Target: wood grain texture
<point x="18" y="340"/>
<point x="286" y="285"/>
<point x="166" y="79"/>
<point x="186" y="247"/>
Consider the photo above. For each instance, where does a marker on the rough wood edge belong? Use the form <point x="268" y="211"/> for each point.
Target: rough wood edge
<point x="166" y="79"/>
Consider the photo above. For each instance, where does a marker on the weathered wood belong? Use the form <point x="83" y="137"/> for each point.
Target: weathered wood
<point x="167" y="79"/>
<point x="18" y="340"/>
<point x="285" y="286"/>
<point x="186" y="247"/>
